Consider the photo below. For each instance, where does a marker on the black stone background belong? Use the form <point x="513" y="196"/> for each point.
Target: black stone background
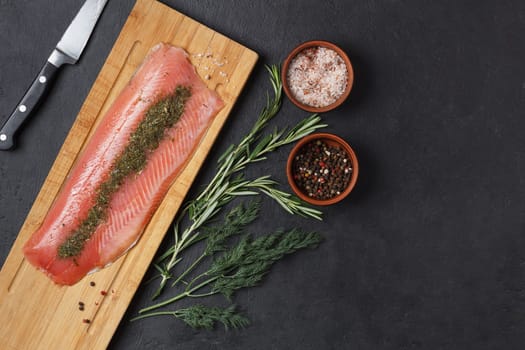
<point x="426" y="253"/>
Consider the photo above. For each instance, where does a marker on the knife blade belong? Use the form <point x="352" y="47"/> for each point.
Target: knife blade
<point x="67" y="51"/>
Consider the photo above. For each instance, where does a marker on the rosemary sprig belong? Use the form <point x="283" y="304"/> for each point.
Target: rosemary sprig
<point x="229" y="182"/>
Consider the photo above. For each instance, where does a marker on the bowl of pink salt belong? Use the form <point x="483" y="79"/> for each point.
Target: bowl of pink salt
<point x="317" y="76"/>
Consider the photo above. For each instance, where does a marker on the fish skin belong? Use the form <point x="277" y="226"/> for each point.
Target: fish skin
<point x="132" y="206"/>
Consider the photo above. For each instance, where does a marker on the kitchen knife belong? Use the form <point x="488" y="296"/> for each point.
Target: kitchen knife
<point x="68" y="50"/>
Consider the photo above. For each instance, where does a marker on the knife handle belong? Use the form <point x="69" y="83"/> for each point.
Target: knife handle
<point x="30" y="100"/>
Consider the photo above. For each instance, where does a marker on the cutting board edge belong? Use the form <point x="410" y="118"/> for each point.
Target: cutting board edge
<point x="15" y="257"/>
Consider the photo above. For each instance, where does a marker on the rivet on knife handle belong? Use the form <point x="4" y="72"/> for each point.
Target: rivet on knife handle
<point x="23" y="109"/>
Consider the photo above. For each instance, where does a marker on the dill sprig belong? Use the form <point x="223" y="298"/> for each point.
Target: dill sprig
<point x="202" y="316"/>
<point x="247" y="266"/>
<point x="234" y="222"/>
<point x="232" y="267"/>
<point x="229" y="181"/>
<point x="217" y="235"/>
<point x="242" y="266"/>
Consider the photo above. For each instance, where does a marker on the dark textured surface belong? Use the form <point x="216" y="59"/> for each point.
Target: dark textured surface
<point x="427" y="252"/>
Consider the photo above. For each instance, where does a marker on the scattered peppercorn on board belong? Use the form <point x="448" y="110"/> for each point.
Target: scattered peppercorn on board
<point x="34" y="312"/>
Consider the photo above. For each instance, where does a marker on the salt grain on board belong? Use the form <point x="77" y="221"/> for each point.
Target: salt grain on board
<point x="317" y="76"/>
<point x="209" y="61"/>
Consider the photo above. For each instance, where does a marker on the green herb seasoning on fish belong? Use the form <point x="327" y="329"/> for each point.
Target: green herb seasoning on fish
<point x="145" y="139"/>
<point x="91" y="223"/>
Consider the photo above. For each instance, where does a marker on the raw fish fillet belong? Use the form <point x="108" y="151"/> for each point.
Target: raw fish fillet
<point x="132" y="206"/>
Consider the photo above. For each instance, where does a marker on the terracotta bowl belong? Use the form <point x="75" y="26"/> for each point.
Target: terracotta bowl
<point x="331" y="140"/>
<point x="306" y="45"/>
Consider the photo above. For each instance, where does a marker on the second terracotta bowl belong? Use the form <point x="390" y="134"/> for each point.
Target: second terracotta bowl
<point x="330" y="140"/>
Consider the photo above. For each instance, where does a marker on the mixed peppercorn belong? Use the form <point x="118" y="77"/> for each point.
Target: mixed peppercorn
<point x="321" y="171"/>
<point x="82" y="305"/>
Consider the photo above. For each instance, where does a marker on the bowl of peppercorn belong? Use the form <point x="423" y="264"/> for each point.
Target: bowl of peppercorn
<point x="322" y="169"/>
<point x="317" y="76"/>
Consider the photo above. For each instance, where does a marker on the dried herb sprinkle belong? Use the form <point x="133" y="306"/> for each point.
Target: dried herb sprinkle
<point x="144" y="140"/>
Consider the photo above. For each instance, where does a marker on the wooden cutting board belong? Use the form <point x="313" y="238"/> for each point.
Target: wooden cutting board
<point x="34" y="312"/>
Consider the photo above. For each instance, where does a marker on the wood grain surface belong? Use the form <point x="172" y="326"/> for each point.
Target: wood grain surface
<point x="34" y="312"/>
